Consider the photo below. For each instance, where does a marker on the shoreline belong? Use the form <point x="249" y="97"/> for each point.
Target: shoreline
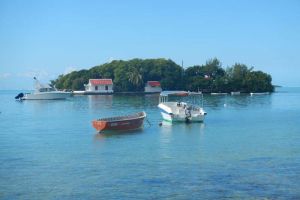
<point x="157" y="93"/>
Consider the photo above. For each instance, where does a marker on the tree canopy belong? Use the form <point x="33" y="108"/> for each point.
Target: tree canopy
<point x="133" y="74"/>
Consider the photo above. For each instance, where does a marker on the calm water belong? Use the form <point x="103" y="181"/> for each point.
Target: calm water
<point x="248" y="149"/>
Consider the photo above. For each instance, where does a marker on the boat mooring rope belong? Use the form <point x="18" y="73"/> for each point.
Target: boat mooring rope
<point x="148" y="121"/>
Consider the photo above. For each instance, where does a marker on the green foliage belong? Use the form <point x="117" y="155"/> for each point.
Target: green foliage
<point x="127" y="75"/>
<point x="206" y="78"/>
<point x="236" y="76"/>
<point x="78" y="84"/>
<point x="258" y="81"/>
<point x="133" y="74"/>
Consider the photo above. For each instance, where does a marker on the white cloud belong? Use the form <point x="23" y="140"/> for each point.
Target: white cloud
<point x="5" y="75"/>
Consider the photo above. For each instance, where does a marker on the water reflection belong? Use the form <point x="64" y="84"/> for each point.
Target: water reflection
<point x="110" y="134"/>
<point x="214" y="102"/>
<point x="264" y="100"/>
<point x="176" y="135"/>
<point x="167" y="124"/>
<point x="100" y="101"/>
<point x="137" y="101"/>
<point x="46" y="106"/>
<point x="165" y="141"/>
<point x="240" y="101"/>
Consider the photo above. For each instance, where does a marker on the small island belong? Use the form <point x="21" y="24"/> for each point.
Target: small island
<point x="131" y="76"/>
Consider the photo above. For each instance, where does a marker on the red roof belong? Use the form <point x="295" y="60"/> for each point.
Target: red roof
<point x="101" y="81"/>
<point x="154" y="83"/>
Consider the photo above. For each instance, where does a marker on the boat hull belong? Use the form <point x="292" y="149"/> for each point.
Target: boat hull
<point x="218" y="93"/>
<point x="259" y="93"/>
<point x="178" y="118"/>
<point x="47" y="95"/>
<point x="174" y="112"/>
<point x="120" y="125"/>
<point x="235" y="93"/>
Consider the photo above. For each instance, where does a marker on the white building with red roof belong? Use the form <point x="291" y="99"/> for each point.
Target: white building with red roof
<point x="99" y="86"/>
<point x="153" y="87"/>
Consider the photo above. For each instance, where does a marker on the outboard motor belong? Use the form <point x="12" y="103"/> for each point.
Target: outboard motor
<point x="19" y="96"/>
<point x="188" y="114"/>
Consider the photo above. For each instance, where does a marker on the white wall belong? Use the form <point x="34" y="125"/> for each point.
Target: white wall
<point x="101" y="88"/>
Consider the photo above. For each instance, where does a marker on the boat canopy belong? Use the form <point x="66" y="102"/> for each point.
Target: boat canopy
<point x="178" y="93"/>
<point x="164" y="96"/>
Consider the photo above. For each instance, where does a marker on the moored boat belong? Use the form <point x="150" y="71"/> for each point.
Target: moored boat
<point x="178" y="111"/>
<point x="43" y="92"/>
<point x="235" y="93"/>
<point x="120" y="123"/>
<point x="259" y="93"/>
<point x="218" y="93"/>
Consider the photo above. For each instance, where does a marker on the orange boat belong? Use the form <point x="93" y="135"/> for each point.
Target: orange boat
<point x="122" y="123"/>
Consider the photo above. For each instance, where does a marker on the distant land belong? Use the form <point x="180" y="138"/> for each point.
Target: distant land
<point x="131" y="76"/>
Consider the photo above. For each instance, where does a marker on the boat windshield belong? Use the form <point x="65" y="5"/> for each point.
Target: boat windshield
<point x="46" y="89"/>
<point x="43" y="87"/>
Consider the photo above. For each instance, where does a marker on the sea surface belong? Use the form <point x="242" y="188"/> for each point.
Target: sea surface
<point x="247" y="148"/>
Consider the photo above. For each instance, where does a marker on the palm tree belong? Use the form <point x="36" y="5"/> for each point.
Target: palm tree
<point x="135" y="77"/>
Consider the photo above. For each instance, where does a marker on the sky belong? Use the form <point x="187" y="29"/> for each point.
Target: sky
<point x="49" y="38"/>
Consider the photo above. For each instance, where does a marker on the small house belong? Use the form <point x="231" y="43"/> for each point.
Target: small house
<point x="99" y="86"/>
<point x="153" y="86"/>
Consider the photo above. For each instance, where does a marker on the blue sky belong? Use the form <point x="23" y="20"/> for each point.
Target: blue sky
<point x="48" y="38"/>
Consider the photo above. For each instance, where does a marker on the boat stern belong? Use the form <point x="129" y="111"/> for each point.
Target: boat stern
<point x="99" y="125"/>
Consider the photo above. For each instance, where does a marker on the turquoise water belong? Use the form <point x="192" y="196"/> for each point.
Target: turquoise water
<point x="248" y="148"/>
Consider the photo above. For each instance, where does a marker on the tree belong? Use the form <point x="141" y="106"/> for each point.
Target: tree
<point x="132" y="74"/>
<point x="236" y="76"/>
<point x="213" y="68"/>
<point x="258" y="81"/>
<point x="78" y="84"/>
<point x="135" y="78"/>
<point x="206" y="77"/>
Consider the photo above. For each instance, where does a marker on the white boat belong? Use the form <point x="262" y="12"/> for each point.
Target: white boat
<point x="235" y="93"/>
<point x="218" y="93"/>
<point x="259" y="93"/>
<point x="43" y="92"/>
<point x="177" y="111"/>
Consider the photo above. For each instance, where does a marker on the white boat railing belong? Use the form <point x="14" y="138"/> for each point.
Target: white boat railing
<point x="163" y="99"/>
<point x="164" y="96"/>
